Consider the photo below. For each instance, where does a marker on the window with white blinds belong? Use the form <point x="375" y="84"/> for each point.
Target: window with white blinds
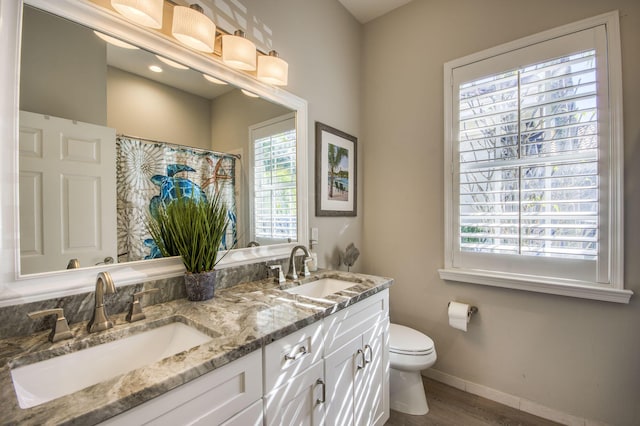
<point x="533" y="161"/>
<point x="528" y="153"/>
<point x="274" y="181"/>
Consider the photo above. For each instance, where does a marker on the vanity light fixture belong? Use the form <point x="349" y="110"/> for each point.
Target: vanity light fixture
<point x="143" y="12"/>
<point x="249" y="94"/>
<point x="115" y="41"/>
<point x="171" y="63"/>
<point x="155" y="68"/>
<point x="193" y="28"/>
<point x="272" y="69"/>
<point x="238" y="52"/>
<point x="214" y="80"/>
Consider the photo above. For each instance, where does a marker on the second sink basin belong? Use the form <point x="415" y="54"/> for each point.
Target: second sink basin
<point x="46" y="380"/>
<point x="320" y="288"/>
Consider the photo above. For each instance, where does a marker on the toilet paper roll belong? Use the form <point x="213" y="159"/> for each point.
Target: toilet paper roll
<point x="459" y="314"/>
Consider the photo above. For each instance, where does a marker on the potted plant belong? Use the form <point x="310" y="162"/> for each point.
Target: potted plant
<point x="193" y="228"/>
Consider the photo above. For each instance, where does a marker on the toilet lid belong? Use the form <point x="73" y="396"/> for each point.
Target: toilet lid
<point x="405" y="340"/>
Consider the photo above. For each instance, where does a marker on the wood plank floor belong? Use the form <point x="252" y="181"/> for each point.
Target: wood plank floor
<point x="451" y="406"/>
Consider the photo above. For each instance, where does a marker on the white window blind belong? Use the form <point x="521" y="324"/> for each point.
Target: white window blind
<point x="528" y="146"/>
<point x="533" y="161"/>
<point x="274" y="176"/>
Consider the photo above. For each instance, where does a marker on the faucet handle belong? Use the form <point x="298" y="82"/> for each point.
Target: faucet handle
<point x="305" y="263"/>
<point x="60" y="330"/>
<point x="135" y="313"/>
<point x="280" y="277"/>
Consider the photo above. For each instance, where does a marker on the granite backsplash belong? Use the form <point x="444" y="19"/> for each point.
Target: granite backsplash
<point x="79" y="307"/>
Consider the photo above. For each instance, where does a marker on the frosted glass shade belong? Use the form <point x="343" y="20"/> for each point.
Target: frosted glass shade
<point x="143" y="12"/>
<point x="193" y="29"/>
<point x="272" y="69"/>
<point x="238" y="52"/>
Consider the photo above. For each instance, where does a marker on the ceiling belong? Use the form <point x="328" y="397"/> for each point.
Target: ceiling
<point x="367" y="10"/>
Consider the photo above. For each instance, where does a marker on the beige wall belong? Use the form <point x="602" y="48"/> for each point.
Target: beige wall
<point x="233" y="113"/>
<point x="577" y="356"/>
<point x="141" y="107"/>
<point x="321" y="42"/>
<point x="68" y="83"/>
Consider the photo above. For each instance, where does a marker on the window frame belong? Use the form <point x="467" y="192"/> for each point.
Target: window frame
<point x="612" y="291"/>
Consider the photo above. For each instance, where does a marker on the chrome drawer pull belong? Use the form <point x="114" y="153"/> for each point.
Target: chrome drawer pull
<point x="301" y="351"/>
<point x="364" y="361"/>
<point x="324" y="391"/>
<point x="367" y="361"/>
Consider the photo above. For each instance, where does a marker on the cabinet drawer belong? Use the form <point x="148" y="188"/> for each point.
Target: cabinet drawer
<point x="210" y="399"/>
<point x="292" y="354"/>
<point x="344" y="325"/>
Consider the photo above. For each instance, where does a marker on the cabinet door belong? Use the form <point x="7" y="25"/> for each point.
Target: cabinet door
<point x="340" y="369"/>
<point x="251" y="416"/>
<point x="371" y="383"/>
<point x="299" y="401"/>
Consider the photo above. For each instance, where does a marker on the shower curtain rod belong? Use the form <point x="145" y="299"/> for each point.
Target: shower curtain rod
<point x="122" y="135"/>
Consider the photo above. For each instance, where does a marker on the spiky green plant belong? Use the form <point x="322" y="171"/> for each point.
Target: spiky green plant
<point x="191" y="228"/>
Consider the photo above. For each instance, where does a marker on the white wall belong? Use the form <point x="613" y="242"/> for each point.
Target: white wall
<point x="577" y="356"/>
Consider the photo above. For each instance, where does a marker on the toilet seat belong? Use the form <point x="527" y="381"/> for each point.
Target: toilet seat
<point x="407" y="341"/>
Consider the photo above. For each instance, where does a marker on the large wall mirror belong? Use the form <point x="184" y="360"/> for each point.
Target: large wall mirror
<point x="129" y="122"/>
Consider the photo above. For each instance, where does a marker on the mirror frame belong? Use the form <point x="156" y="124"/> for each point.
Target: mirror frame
<point x="18" y="289"/>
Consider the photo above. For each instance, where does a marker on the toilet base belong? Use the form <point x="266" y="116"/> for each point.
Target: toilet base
<point x="406" y="392"/>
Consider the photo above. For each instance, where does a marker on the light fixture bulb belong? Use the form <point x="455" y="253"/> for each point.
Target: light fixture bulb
<point x="238" y="52"/>
<point x="143" y="12"/>
<point x="155" y="68"/>
<point x="272" y="69"/>
<point x="193" y="28"/>
<point x="171" y="63"/>
<point x="115" y="41"/>
<point x="214" y="80"/>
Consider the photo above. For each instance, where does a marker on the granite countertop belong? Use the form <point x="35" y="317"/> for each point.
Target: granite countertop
<point x="240" y="319"/>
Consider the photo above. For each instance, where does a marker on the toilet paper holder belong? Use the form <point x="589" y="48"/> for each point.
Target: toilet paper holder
<point x="472" y="309"/>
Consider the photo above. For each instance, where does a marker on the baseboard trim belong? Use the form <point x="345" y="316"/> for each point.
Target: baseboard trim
<point x="512" y="401"/>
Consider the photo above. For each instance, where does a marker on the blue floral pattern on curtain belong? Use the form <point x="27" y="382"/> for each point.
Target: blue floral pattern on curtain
<point x="148" y="173"/>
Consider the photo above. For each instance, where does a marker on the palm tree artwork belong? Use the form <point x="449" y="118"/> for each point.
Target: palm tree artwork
<point x="338" y="158"/>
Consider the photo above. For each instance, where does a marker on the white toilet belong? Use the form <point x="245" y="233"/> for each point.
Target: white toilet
<point x="409" y="352"/>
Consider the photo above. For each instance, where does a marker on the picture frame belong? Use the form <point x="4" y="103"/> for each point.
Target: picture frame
<point x="336" y="172"/>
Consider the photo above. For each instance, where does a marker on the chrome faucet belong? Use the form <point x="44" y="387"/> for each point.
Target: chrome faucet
<point x="292" y="274"/>
<point x="100" y="321"/>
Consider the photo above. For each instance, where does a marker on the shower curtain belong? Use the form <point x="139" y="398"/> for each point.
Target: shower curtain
<point x="146" y="173"/>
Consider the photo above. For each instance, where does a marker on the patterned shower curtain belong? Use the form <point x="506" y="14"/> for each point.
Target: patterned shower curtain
<point x="146" y="173"/>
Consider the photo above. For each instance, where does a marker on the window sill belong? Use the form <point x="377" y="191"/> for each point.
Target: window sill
<point x="538" y="284"/>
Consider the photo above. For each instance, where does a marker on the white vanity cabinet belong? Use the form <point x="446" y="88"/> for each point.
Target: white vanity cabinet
<point x="356" y="363"/>
<point x="294" y="378"/>
<point x="332" y="372"/>
<point x="212" y="399"/>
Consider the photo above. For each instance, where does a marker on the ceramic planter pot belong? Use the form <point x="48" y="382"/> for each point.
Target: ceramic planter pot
<point x="200" y="286"/>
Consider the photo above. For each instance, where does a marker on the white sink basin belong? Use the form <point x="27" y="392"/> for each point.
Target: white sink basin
<point x="46" y="380"/>
<point x="321" y="288"/>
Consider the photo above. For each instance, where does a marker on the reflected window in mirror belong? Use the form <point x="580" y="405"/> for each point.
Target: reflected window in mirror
<point x="273" y="167"/>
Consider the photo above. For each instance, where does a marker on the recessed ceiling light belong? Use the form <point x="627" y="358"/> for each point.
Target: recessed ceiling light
<point x="155" y="68"/>
<point x="214" y="80"/>
<point x="171" y="63"/>
<point x="249" y="94"/>
<point x="114" y="41"/>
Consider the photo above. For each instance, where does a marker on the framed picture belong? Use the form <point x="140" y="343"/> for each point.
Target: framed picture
<point x="336" y="185"/>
